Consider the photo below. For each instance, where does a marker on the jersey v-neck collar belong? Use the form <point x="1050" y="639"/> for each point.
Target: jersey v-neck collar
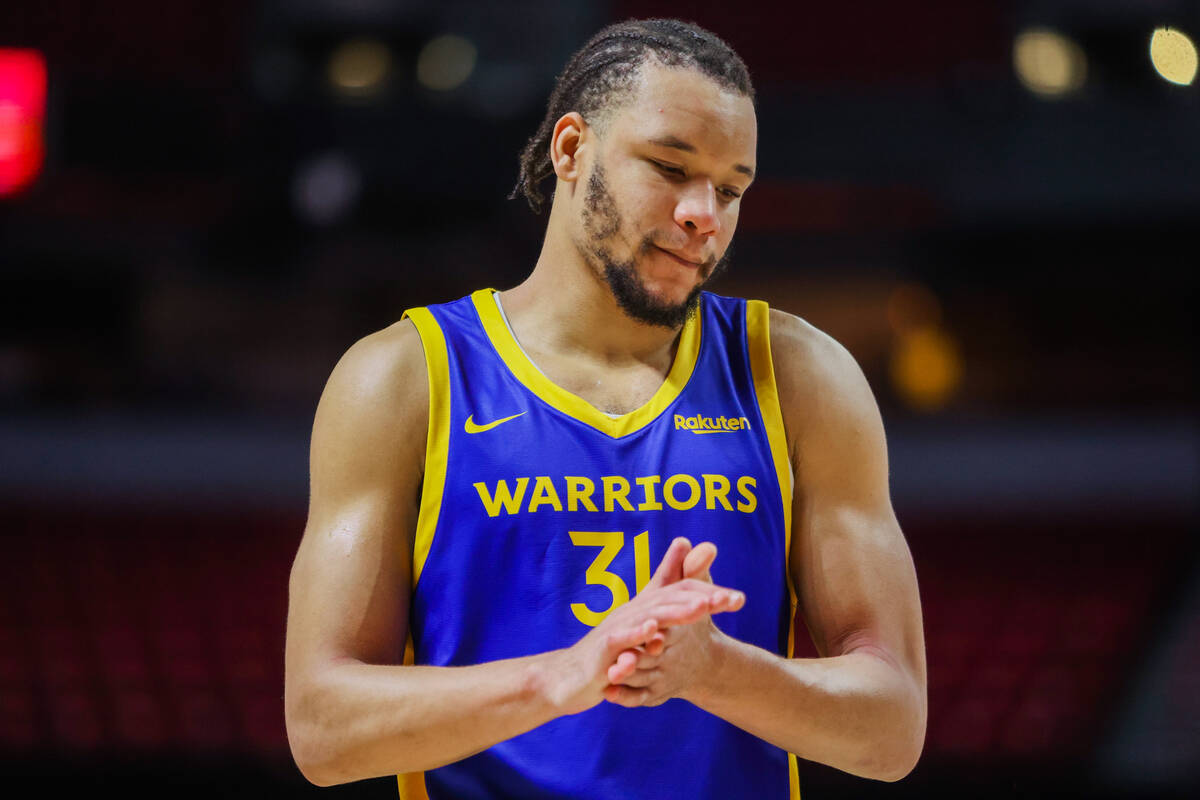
<point x="525" y="371"/>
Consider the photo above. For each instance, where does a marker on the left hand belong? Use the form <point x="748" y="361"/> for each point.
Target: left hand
<point x="685" y="657"/>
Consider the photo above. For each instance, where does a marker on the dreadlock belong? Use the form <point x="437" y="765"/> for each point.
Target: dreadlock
<point x="602" y="74"/>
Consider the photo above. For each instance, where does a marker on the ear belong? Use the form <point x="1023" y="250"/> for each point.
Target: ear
<point x="566" y="143"/>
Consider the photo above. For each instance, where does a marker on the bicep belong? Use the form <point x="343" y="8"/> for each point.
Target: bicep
<point x="851" y="566"/>
<point x="350" y="582"/>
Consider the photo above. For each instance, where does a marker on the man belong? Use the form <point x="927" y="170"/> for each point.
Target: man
<point x="494" y="478"/>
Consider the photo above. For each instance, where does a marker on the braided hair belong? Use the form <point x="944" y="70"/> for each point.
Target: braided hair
<point x="603" y="72"/>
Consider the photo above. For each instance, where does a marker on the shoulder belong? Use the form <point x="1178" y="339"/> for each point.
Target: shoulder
<point x="381" y="366"/>
<point x="809" y="361"/>
<point x="822" y="389"/>
<point x="377" y="393"/>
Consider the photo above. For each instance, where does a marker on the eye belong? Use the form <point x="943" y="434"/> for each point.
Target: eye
<point x="668" y="169"/>
<point x="730" y="194"/>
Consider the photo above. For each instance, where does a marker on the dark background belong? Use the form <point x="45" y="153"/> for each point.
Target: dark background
<point x="215" y="222"/>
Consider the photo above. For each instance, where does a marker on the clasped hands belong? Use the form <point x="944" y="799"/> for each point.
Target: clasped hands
<point x="662" y="643"/>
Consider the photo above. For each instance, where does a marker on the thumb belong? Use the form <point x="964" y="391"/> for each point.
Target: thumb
<point x="670" y="569"/>
<point x="698" y="560"/>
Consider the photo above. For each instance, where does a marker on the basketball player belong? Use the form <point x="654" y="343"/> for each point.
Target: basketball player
<point x="513" y="483"/>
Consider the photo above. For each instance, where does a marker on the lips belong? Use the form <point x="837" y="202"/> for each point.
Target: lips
<point x="687" y="262"/>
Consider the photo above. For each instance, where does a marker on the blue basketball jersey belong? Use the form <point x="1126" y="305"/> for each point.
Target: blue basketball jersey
<point x="540" y="514"/>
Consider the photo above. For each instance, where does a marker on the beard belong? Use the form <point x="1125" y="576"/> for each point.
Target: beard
<point x="602" y="221"/>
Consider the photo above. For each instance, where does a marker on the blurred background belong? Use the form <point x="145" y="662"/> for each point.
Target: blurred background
<point x="993" y="205"/>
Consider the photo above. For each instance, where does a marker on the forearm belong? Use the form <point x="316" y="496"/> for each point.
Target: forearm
<point x="352" y="720"/>
<point x="859" y="712"/>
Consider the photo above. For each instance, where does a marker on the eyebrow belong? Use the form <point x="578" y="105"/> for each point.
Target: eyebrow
<point x="676" y="143"/>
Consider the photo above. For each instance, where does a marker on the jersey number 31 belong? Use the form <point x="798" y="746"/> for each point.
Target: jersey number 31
<point x="610" y="544"/>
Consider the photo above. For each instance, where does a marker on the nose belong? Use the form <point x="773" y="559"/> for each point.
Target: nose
<point x="696" y="210"/>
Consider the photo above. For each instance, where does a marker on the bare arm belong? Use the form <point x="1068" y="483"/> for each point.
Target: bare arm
<point x="352" y="712"/>
<point x="861" y="706"/>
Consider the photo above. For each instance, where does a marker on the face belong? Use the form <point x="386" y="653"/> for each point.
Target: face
<point x="661" y="192"/>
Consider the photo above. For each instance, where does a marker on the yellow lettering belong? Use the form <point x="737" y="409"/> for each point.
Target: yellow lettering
<point x="680" y="422"/>
<point x="651" y="496"/>
<point x="693" y="489"/>
<point x="610" y="543"/>
<point x="745" y="423"/>
<point x="745" y="484"/>
<point x="503" y="497"/>
<point x="616" y="489"/>
<point x="641" y="559"/>
<point x="544" y="494"/>
<point x="716" y="488"/>
<point x="579" y="491"/>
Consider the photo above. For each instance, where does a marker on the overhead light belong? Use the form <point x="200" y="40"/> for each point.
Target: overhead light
<point x="326" y="188"/>
<point x="360" y="67"/>
<point x="926" y="367"/>
<point x="446" y="62"/>
<point x="1174" y="56"/>
<point x="1048" y="63"/>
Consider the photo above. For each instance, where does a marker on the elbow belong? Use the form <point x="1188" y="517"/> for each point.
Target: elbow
<point x="309" y="743"/>
<point x="891" y="761"/>
<point x="307" y="751"/>
<point x="892" y="753"/>
<point x="898" y="767"/>
<point x="904" y="747"/>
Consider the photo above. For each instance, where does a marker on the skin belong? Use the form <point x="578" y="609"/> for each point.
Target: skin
<point x="353" y="713"/>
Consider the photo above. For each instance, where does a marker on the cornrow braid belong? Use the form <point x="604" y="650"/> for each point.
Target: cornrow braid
<point x="601" y="74"/>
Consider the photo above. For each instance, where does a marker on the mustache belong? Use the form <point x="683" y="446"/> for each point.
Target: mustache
<point x="649" y="244"/>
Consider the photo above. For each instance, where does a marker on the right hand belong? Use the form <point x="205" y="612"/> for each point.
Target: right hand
<point x="580" y="673"/>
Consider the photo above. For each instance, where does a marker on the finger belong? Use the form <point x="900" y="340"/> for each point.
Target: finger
<point x="626" y="696"/>
<point x="670" y="569"/>
<point x="646" y="662"/>
<point x="684" y="612"/>
<point x="728" y="600"/>
<point x="641" y="678"/>
<point x="656" y="644"/>
<point x="624" y="639"/>
<point x="698" y="560"/>
<point x="626" y="665"/>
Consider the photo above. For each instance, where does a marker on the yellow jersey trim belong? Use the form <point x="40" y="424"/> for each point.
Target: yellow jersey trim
<point x="762" y="367"/>
<point x="437" y="443"/>
<point x="573" y="405"/>
<point x="758" y="334"/>
<point x="411" y="785"/>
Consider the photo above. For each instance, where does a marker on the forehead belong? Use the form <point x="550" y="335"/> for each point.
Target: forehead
<point x="685" y="104"/>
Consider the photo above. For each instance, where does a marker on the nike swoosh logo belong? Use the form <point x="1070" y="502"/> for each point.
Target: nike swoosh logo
<point x="472" y="427"/>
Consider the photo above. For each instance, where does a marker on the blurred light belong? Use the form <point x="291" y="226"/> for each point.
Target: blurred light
<point x="1048" y="63"/>
<point x="22" y="116"/>
<point x="926" y="367"/>
<point x="360" y="67"/>
<point x="912" y="306"/>
<point x="1174" y="56"/>
<point x="446" y="62"/>
<point x="326" y="188"/>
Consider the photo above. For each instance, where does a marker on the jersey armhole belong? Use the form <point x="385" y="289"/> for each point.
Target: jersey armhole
<point x="762" y="368"/>
<point x="411" y="785"/>
<point x="758" y="342"/>
<point x="437" y="442"/>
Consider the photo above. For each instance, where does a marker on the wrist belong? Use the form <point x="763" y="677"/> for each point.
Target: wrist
<point x="551" y="678"/>
<point x="541" y="681"/>
<point x="712" y="677"/>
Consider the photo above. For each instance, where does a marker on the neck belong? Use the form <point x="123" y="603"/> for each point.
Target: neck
<point x="565" y="308"/>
